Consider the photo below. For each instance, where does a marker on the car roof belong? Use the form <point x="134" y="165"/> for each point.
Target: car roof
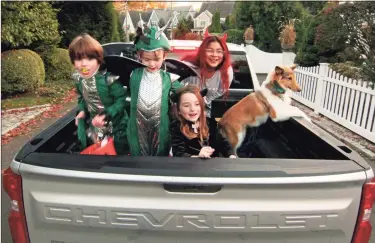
<point x="185" y="43"/>
<point x="196" y="44"/>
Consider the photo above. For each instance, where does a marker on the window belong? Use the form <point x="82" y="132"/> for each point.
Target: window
<point x="203" y="23"/>
<point x="154" y="23"/>
<point x="242" y="77"/>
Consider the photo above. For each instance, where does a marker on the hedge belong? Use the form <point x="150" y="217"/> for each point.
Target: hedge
<point x="235" y="36"/>
<point x="22" y="71"/>
<point x="58" y="65"/>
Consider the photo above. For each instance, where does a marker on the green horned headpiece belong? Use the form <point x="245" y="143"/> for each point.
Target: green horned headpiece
<point x="152" y="38"/>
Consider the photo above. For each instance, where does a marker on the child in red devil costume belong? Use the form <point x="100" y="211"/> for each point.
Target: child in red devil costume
<point x="212" y="63"/>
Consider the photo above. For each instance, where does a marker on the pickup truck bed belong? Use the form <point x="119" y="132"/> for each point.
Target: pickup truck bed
<point x="298" y="185"/>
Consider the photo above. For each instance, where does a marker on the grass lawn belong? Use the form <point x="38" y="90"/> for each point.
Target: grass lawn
<point x="49" y="93"/>
<point x="25" y="100"/>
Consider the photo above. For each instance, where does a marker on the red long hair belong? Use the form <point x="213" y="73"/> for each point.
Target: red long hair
<point x="185" y="127"/>
<point x="199" y="59"/>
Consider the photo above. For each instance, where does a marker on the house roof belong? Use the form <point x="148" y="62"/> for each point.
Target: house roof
<point x="134" y="15"/>
<point x="225" y="8"/>
<point x="183" y="10"/>
<point x="163" y="14"/>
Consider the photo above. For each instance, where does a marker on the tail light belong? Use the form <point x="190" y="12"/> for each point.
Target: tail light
<point x="363" y="229"/>
<point x="17" y="220"/>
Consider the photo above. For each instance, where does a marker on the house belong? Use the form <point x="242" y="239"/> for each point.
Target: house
<point x="201" y="22"/>
<point x="127" y="23"/>
<point x="225" y="8"/>
<point x="203" y="18"/>
<point x="153" y="17"/>
<point x="145" y="15"/>
<point x="184" y="12"/>
<point x="130" y="20"/>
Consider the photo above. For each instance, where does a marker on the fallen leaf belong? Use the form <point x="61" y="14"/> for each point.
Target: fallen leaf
<point x="51" y="112"/>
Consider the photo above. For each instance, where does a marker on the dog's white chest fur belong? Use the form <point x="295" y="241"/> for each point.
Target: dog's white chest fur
<point x="259" y="120"/>
<point x="282" y="107"/>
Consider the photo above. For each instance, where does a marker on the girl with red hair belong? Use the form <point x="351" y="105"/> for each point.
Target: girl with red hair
<point x="212" y="63"/>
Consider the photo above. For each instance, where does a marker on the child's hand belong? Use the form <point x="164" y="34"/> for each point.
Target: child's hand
<point x="98" y="121"/>
<point x="206" y="152"/>
<point x="80" y="115"/>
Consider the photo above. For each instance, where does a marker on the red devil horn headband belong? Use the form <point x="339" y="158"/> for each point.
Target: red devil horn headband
<point x="223" y="38"/>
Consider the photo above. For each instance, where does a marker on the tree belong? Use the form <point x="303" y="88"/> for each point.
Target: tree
<point x="190" y="22"/>
<point x="27" y="23"/>
<point x="181" y="30"/>
<point x="227" y="23"/>
<point x="161" y="24"/>
<point x="215" y="26"/>
<point x="265" y="17"/>
<point x="307" y="51"/>
<point x="330" y="36"/>
<point x="94" y="18"/>
<point x="313" y="7"/>
<point x="350" y="27"/>
<point x="120" y="6"/>
<point x="114" y="16"/>
<point x="232" y="24"/>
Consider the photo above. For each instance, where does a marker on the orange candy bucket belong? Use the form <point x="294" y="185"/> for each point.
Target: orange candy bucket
<point x="98" y="149"/>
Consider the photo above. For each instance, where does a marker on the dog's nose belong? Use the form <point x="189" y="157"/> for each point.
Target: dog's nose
<point x="299" y="90"/>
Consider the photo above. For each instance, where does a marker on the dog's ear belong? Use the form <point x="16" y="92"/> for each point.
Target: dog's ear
<point x="293" y="66"/>
<point x="279" y="70"/>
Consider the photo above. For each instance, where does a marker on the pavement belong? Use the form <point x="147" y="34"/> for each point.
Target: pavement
<point x="13" y="118"/>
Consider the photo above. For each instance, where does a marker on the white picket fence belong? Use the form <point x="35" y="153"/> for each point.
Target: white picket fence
<point x="350" y="103"/>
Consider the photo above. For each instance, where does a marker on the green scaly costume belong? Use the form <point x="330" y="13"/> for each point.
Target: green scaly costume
<point x="151" y="40"/>
<point x="112" y="96"/>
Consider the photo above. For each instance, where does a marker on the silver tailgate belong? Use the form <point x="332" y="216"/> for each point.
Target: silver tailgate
<point x="68" y="206"/>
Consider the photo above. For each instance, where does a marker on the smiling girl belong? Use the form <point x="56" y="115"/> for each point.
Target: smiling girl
<point x="189" y="132"/>
<point x="101" y="96"/>
<point x="213" y="63"/>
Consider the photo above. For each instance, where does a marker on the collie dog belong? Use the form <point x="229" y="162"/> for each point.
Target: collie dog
<point x="270" y="101"/>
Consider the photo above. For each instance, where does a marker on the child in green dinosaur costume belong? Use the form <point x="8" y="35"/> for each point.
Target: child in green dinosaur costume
<point x="101" y="96"/>
<point x="150" y="89"/>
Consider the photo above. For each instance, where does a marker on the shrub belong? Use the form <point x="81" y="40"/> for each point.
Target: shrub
<point x="21" y="71"/>
<point x="131" y="36"/>
<point x="235" y="36"/>
<point x="40" y="65"/>
<point x="288" y="34"/>
<point x="58" y="65"/>
<point x="45" y="91"/>
<point x="53" y="90"/>
<point x="347" y="69"/>
<point x="249" y="33"/>
<point x="192" y="36"/>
